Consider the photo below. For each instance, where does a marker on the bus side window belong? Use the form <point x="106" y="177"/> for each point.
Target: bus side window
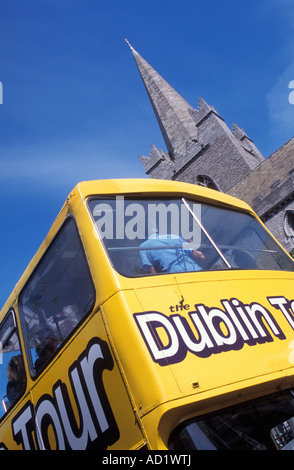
<point x="57" y="297"/>
<point x="12" y="372"/>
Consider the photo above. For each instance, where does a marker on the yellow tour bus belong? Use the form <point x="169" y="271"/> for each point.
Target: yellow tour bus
<point x="156" y="315"/>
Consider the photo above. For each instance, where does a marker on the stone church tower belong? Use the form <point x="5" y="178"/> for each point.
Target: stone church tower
<point x="201" y="149"/>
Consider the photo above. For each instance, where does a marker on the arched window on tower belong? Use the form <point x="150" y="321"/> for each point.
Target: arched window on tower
<point x="206" y="182"/>
<point x="289" y="224"/>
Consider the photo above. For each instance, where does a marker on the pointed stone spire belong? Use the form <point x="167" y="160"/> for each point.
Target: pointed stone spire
<point x="173" y="113"/>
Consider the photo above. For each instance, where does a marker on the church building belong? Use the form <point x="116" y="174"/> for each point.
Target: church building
<point x="201" y="149"/>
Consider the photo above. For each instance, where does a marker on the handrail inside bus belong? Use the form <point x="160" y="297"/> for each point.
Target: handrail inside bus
<point x="207" y="234"/>
<point x="143" y="248"/>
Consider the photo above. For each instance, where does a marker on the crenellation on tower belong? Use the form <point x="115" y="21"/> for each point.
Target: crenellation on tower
<point x="203" y="111"/>
<point x="248" y="145"/>
<point x="156" y="157"/>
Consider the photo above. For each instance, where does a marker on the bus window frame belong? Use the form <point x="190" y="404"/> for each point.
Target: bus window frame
<point x="134" y="197"/>
<point x="17" y="329"/>
<point x="185" y="199"/>
<point x="34" y="375"/>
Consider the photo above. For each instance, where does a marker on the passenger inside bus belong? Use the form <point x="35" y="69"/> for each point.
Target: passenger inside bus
<point x="16" y="379"/>
<point x="56" y="329"/>
<point x="169" y="253"/>
<point x="46" y="348"/>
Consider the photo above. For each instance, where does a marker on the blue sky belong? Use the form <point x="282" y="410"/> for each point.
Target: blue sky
<point x="74" y="106"/>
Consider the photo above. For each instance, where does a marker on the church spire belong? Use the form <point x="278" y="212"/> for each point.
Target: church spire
<point x="171" y="110"/>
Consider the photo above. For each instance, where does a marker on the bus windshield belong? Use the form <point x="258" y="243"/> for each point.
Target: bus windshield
<point x="157" y="236"/>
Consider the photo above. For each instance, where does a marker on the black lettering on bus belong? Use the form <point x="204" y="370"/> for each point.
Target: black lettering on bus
<point x="211" y="330"/>
<point x="95" y="427"/>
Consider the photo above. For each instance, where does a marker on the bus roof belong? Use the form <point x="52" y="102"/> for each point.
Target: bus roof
<point x="155" y="187"/>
